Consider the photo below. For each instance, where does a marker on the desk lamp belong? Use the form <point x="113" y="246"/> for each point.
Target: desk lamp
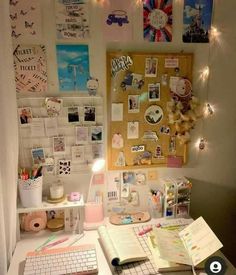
<point x="94" y="216"/>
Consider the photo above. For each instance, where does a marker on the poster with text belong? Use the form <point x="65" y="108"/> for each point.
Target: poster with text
<point x="30" y="68"/>
<point x="72" y="19"/>
<point x="157" y="20"/>
<point x="73" y="67"/>
<point x="25" y="19"/>
<point x="197" y="20"/>
<point x="117" y="20"/>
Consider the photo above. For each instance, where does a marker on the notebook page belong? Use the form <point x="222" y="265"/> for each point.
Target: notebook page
<point x="170" y="246"/>
<point x="200" y="240"/>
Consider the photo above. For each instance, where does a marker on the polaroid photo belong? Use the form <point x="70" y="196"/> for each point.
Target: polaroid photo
<point x="137" y="81"/>
<point x="77" y="153"/>
<point x="59" y="146"/>
<point x="81" y="135"/>
<point x="133" y="103"/>
<point x="89" y="114"/>
<point x="73" y="114"/>
<point x="154" y="92"/>
<point x="133" y="130"/>
<point x="38" y="155"/>
<point x="25" y="115"/>
<point x="96" y="134"/>
<point x="128" y="177"/>
<point x="151" y="67"/>
<point x="48" y="166"/>
<point x="64" y="167"/>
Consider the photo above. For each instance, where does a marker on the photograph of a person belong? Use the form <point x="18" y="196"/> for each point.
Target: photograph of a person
<point x="128" y="177"/>
<point x="151" y="67"/>
<point x="89" y="114"/>
<point x="38" y="155"/>
<point x="154" y="92"/>
<point x="73" y="114"/>
<point x="25" y="115"/>
<point x="133" y="103"/>
<point x="96" y="133"/>
<point x="59" y="145"/>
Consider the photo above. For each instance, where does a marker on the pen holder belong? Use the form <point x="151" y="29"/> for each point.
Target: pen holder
<point x="30" y="192"/>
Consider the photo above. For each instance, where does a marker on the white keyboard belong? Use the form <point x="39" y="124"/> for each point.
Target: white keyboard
<point x="66" y="260"/>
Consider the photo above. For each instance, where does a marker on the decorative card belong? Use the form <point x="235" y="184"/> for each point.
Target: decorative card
<point x="113" y="187"/>
<point x="64" y="167"/>
<point x="51" y="126"/>
<point x="97" y="151"/>
<point x="117" y="20"/>
<point x="59" y="146"/>
<point x="197" y="21"/>
<point x="73" y="67"/>
<point x="77" y="153"/>
<point x="25" y="115"/>
<point x="96" y="134"/>
<point x="25" y="19"/>
<point x="37" y="127"/>
<point x="133" y="130"/>
<point x="81" y="135"/>
<point x="140" y="178"/>
<point x="117" y="141"/>
<point x="157" y="20"/>
<point x="128" y="177"/>
<point x="73" y="114"/>
<point x="117" y="112"/>
<point x="38" y="155"/>
<point x="89" y="114"/>
<point x="72" y="19"/>
<point x="30" y="68"/>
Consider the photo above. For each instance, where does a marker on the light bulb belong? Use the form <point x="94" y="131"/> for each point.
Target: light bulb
<point x="214" y="33"/>
<point x="205" y="73"/>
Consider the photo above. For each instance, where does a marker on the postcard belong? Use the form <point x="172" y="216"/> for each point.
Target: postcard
<point x="59" y="146"/>
<point x="38" y="155"/>
<point x="77" y="153"/>
<point x="81" y="135"/>
<point x="133" y="130"/>
<point x="30" y="68"/>
<point x="73" y="67"/>
<point x="117" y="112"/>
<point x="72" y="19"/>
<point x="157" y="20"/>
<point x="197" y="21"/>
<point x="51" y="126"/>
<point x="37" y="127"/>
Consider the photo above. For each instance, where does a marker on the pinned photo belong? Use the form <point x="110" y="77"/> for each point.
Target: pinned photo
<point x="73" y="114"/>
<point x="154" y="92"/>
<point x="133" y="103"/>
<point x="25" y="115"/>
<point x="128" y="177"/>
<point x="89" y="114"/>
<point x="38" y="155"/>
<point x="151" y="67"/>
<point x="59" y="145"/>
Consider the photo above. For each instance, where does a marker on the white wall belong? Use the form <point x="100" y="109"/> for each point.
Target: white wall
<point x="213" y="170"/>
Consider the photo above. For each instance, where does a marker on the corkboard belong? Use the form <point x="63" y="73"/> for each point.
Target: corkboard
<point x="115" y="94"/>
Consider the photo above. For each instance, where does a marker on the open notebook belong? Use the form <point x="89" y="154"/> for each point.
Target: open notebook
<point x="173" y="250"/>
<point x="121" y="245"/>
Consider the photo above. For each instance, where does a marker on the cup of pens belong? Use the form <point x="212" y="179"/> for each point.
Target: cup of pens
<point x="30" y="187"/>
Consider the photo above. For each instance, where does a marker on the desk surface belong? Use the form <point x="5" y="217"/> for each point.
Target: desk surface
<point x="30" y="241"/>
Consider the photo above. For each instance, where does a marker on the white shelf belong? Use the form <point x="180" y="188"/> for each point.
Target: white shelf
<point x="46" y="206"/>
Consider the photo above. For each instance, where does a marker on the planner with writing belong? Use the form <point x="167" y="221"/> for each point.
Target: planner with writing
<point x="120" y="245"/>
<point x="190" y="246"/>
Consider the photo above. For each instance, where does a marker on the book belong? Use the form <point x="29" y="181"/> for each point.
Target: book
<point x="190" y="247"/>
<point x="120" y="245"/>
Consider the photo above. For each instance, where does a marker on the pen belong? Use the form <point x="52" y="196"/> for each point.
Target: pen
<point x="55" y="243"/>
<point x="144" y="231"/>
<point x="50" y="238"/>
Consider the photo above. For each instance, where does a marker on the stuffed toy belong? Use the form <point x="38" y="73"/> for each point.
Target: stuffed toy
<point x="92" y="86"/>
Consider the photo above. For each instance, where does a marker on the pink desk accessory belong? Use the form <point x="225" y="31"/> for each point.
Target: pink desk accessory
<point x="94" y="215"/>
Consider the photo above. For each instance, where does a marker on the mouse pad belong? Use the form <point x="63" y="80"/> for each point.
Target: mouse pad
<point x="129" y="218"/>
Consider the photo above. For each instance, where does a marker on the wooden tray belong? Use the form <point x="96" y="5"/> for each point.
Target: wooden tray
<point x="129" y="218"/>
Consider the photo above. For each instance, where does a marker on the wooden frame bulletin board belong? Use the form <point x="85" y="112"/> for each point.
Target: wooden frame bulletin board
<point x="122" y="70"/>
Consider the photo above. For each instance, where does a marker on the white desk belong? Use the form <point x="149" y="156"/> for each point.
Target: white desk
<point x="31" y="241"/>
